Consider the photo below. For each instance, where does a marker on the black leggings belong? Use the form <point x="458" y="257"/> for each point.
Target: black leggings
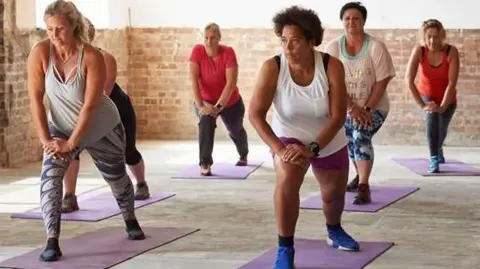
<point x="128" y="117"/>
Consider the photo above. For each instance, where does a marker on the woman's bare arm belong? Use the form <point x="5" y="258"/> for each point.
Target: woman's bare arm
<point x="231" y="74"/>
<point x="411" y="73"/>
<point x="194" y="74"/>
<point x="95" y="74"/>
<point x="338" y="99"/>
<point x="36" y="89"/>
<point x="453" y="72"/>
<point x="261" y="102"/>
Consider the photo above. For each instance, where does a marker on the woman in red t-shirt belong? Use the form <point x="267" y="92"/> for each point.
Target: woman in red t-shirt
<point x="213" y="74"/>
<point x="435" y="92"/>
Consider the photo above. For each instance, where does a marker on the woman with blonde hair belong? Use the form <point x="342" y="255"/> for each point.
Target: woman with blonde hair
<point x="213" y="72"/>
<point x="435" y="92"/>
<point x="71" y="73"/>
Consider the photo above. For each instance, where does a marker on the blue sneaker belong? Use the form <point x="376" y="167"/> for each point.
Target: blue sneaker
<point x="434" y="165"/>
<point x="339" y="239"/>
<point x="285" y="258"/>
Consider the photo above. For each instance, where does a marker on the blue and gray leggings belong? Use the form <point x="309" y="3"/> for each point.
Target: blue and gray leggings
<point x="360" y="145"/>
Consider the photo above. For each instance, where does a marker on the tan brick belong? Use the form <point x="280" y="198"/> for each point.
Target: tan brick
<point x="153" y="70"/>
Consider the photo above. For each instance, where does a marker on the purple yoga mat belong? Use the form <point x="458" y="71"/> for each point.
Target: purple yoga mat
<point x="219" y="171"/>
<point x="382" y="196"/>
<point x="450" y="168"/>
<point x="100" y="249"/>
<point x="94" y="207"/>
<point x="310" y="254"/>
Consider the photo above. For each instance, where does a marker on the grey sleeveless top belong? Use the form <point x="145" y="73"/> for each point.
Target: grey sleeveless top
<point x="66" y="99"/>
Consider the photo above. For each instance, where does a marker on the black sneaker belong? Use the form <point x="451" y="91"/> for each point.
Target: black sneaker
<point x="52" y="251"/>
<point x="353" y="185"/>
<point x="363" y="195"/>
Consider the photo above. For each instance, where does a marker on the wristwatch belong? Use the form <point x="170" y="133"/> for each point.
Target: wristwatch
<point x="314" y="148"/>
<point x="367" y="108"/>
<point x="218" y="106"/>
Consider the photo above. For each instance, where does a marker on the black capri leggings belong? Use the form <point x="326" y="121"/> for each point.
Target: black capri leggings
<point x="128" y="117"/>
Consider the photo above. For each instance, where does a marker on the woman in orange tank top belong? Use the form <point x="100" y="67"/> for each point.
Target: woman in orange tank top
<point x="438" y="66"/>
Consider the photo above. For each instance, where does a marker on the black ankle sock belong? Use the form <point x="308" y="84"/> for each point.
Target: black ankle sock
<point x="143" y="184"/>
<point x="52" y="243"/>
<point x="132" y="224"/>
<point x="285" y="241"/>
<point x="334" y="226"/>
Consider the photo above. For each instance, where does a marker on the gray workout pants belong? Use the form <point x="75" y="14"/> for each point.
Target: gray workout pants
<point x="108" y="154"/>
<point x="232" y="118"/>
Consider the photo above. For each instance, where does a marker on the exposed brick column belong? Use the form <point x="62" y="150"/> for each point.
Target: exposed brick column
<point x="3" y="110"/>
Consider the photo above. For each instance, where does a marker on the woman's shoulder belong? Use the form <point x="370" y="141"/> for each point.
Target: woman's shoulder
<point x="91" y="53"/>
<point x="41" y="48"/>
<point x="198" y="48"/>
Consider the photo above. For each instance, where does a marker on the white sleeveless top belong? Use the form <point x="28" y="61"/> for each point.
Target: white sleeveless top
<point x="302" y="112"/>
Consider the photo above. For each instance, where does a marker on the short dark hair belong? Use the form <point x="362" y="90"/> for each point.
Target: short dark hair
<point x="355" y="5"/>
<point x="305" y="19"/>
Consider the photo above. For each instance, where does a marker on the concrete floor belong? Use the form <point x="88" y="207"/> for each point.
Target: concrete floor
<point x="436" y="227"/>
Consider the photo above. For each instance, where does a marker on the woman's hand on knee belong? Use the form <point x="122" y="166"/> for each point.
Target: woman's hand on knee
<point x="430" y="107"/>
<point x="58" y="148"/>
<point x="208" y="109"/>
<point x="296" y="154"/>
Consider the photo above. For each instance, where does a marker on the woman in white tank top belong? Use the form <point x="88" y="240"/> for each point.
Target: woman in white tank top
<point x="308" y="92"/>
<point x="368" y="70"/>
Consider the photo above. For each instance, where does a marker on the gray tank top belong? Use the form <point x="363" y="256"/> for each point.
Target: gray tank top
<point x="66" y="100"/>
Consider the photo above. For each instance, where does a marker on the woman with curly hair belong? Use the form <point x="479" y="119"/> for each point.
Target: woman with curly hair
<point x="308" y="93"/>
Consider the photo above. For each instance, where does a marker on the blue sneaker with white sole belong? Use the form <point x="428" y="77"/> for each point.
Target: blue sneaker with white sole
<point x="285" y="258"/>
<point x="339" y="239"/>
<point x="434" y="165"/>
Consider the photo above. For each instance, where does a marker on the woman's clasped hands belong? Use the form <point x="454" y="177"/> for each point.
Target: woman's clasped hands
<point x="296" y="154"/>
<point x="58" y="148"/>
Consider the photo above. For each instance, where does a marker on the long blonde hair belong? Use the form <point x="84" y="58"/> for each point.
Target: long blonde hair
<point x="90" y="30"/>
<point x="73" y="16"/>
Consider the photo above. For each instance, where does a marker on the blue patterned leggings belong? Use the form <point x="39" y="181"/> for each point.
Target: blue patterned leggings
<point x="360" y="145"/>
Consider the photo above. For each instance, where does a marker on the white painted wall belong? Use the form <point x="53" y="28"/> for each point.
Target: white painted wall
<point x="98" y="11"/>
<point x="383" y="14"/>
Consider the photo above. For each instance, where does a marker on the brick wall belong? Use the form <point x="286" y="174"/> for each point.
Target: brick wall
<point x="18" y="142"/>
<point x="153" y="70"/>
<point x="158" y="82"/>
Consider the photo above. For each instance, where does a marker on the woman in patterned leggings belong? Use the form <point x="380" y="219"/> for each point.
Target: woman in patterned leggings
<point x="368" y="70"/>
<point x="72" y="74"/>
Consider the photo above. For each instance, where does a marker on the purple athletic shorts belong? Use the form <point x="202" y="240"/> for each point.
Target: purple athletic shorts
<point x="336" y="161"/>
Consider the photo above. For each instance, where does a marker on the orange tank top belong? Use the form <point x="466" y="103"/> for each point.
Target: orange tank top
<point x="433" y="80"/>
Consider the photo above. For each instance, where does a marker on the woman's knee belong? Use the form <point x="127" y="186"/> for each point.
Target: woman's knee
<point x="334" y="194"/>
<point x="207" y="122"/>
<point x="132" y="156"/>
<point x="289" y="177"/>
<point x="333" y="186"/>
<point x="362" y="148"/>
